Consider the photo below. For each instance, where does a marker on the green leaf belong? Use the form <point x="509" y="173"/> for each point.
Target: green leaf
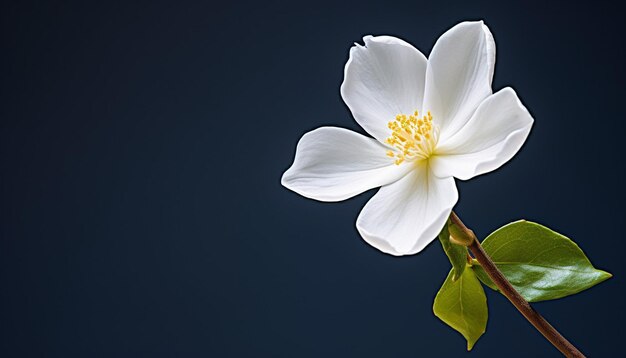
<point x="462" y="305"/>
<point x="540" y="263"/>
<point x="457" y="254"/>
<point x="482" y="275"/>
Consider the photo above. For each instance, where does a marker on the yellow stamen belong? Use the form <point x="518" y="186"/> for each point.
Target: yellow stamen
<point x="412" y="137"/>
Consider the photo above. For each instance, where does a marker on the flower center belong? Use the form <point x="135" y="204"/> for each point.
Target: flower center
<point x="412" y="137"/>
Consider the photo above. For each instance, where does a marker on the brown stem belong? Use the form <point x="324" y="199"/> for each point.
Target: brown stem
<point x="516" y="299"/>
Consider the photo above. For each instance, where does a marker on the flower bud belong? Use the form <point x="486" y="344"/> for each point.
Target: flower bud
<point x="459" y="233"/>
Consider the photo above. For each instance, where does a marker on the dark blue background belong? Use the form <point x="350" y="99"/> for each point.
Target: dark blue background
<point x="141" y="149"/>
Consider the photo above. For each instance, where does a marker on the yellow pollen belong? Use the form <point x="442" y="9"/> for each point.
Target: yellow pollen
<point x="412" y="137"/>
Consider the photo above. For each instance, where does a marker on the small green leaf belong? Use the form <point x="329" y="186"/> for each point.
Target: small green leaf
<point x="482" y="275"/>
<point x="457" y="254"/>
<point x="540" y="263"/>
<point x="462" y="305"/>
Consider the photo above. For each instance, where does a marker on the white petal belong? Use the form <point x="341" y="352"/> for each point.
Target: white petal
<point x="382" y="79"/>
<point x="334" y="164"/>
<point x="490" y="138"/>
<point x="404" y="217"/>
<point x="459" y="74"/>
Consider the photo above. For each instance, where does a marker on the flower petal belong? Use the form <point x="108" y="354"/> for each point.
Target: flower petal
<point x="490" y="138"/>
<point x="382" y="79"/>
<point x="459" y="74"/>
<point x="404" y="217"/>
<point x="334" y="164"/>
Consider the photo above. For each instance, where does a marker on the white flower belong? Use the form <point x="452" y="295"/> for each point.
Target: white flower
<point x="433" y="120"/>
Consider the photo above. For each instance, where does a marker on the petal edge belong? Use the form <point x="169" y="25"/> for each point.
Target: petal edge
<point x="334" y="164"/>
<point x="383" y="78"/>
<point x="459" y="75"/>
<point x="407" y="215"/>
<point x="494" y="134"/>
